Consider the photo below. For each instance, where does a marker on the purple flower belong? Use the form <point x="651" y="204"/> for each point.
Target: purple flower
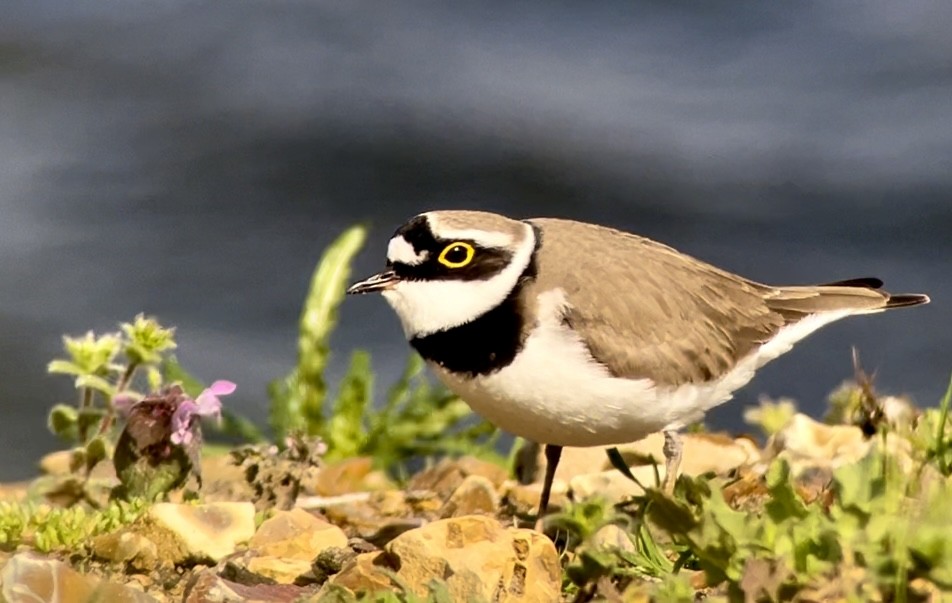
<point x="206" y="404"/>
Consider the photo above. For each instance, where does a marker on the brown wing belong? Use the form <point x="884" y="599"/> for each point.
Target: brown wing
<point x="645" y="310"/>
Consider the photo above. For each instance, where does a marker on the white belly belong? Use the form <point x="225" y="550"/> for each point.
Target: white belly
<point x="555" y="393"/>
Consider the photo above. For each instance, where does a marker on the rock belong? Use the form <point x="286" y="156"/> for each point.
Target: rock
<point x="331" y="561"/>
<point x="296" y="534"/>
<point x="447" y="475"/>
<point x="127" y="547"/>
<point x="14" y="491"/>
<point x="702" y="453"/>
<point x="384" y="514"/>
<point x="362" y="573"/>
<point x="279" y="569"/>
<point x="522" y="500"/>
<point x="199" y="532"/>
<point x="208" y="587"/>
<point x="349" y="475"/>
<point x="611" y="485"/>
<point x="27" y="578"/>
<point x="477" y="557"/>
<point x="613" y="537"/>
<point x="223" y="480"/>
<point x="59" y="463"/>
<point x="56" y="463"/>
<point x="476" y="494"/>
<point x="809" y="445"/>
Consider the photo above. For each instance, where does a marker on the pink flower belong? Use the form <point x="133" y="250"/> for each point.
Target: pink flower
<point x="206" y="404"/>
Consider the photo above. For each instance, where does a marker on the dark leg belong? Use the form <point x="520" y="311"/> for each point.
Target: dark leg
<point x="672" y="459"/>
<point x="552" y="455"/>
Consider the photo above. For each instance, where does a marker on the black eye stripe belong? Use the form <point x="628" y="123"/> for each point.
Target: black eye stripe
<point x="486" y="261"/>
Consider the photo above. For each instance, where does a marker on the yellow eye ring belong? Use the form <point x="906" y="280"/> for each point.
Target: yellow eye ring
<point x="455" y="249"/>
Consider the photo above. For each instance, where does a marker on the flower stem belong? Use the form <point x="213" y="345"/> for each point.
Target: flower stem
<point x="86" y="400"/>
<point x="127" y="376"/>
<point x="123" y="383"/>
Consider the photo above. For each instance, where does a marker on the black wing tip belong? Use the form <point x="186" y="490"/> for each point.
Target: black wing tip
<point x="908" y="299"/>
<point x="892" y="301"/>
<point x="867" y="282"/>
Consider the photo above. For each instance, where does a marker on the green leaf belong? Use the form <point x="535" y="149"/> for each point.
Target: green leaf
<point x="784" y="503"/>
<point x="88" y="355"/>
<point x="97" y="383"/>
<point x="77" y="459"/>
<point x="345" y="433"/>
<point x="146" y="340"/>
<point x="297" y="400"/>
<point x="96" y="450"/>
<point x="63" y="420"/>
<point x="941" y="444"/>
<point x="64" y="367"/>
<point x="89" y="418"/>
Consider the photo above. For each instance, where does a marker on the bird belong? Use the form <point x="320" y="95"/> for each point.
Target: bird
<point x="567" y="333"/>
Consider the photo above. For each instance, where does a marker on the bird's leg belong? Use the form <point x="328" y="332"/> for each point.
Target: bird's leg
<point x="552" y="455"/>
<point x="672" y="459"/>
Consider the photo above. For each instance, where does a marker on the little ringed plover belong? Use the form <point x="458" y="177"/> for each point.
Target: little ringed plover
<point x="573" y="334"/>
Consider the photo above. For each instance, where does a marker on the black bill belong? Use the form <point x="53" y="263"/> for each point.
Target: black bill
<point x="377" y="282"/>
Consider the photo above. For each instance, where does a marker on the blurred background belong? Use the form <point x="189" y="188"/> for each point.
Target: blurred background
<point x="192" y="159"/>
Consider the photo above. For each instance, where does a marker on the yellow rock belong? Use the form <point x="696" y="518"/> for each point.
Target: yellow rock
<point x="296" y="534"/>
<point x="702" y="453"/>
<point x="476" y="494"/>
<point x="210" y="531"/>
<point x="281" y="570"/>
<point x="363" y="573"/>
<point x="479" y="559"/>
<point x="808" y="444"/>
<point x="27" y="578"/>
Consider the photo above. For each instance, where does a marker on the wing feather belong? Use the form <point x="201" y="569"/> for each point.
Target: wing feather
<point x="645" y="310"/>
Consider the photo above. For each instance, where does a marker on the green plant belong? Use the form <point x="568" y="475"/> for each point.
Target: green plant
<point x="103" y="368"/>
<point x="47" y="528"/>
<point x="160" y="442"/>
<point x="416" y="419"/>
<point x="92" y="362"/>
<point x="437" y="593"/>
<point x="882" y="524"/>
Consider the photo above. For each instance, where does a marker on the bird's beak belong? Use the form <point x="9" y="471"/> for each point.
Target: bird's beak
<point x="378" y="282"/>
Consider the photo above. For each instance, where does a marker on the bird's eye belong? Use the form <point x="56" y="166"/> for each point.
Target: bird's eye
<point x="457" y="255"/>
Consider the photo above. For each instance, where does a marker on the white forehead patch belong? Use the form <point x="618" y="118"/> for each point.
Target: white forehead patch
<point x="483" y="238"/>
<point x="399" y="250"/>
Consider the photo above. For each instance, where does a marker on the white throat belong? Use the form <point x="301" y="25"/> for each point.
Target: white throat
<point x="426" y="307"/>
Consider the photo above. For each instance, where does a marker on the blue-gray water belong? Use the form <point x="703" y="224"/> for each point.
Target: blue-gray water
<point x="192" y="159"/>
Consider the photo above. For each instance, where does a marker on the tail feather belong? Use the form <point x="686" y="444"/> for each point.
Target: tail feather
<point x="856" y="296"/>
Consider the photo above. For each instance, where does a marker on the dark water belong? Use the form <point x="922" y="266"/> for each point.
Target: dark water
<point x="192" y="159"/>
